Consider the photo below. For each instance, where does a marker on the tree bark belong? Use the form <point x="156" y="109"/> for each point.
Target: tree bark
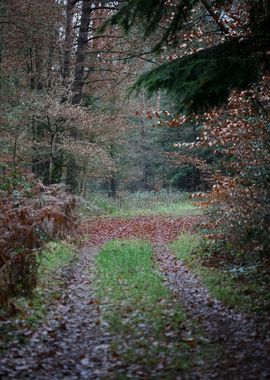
<point x="68" y="40"/>
<point x="82" y="43"/>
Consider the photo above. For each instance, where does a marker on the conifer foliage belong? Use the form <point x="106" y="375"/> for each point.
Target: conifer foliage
<point x="204" y="76"/>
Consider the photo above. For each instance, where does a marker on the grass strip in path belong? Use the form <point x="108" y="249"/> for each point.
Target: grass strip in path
<point x="152" y="337"/>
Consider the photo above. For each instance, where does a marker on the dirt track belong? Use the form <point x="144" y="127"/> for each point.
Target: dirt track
<point x="72" y="345"/>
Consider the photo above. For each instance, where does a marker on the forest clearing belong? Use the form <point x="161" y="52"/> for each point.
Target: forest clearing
<point x="134" y="189"/>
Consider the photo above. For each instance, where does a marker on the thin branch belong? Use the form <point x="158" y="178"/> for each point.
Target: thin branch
<point x="103" y="36"/>
<point x="221" y="26"/>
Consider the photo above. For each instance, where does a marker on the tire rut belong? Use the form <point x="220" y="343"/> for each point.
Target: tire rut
<point x="244" y="339"/>
<point x="72" y="344"/>
<point x="69" y="345"/>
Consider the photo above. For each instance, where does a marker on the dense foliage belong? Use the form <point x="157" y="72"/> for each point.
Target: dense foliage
<point x="202" y="74"/>
<point x="29" y="215"/>
<point x="241" y="190"/>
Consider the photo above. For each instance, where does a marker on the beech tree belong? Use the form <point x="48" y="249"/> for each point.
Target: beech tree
<point x="43" y="89"/>
<point x="240" y="134"/>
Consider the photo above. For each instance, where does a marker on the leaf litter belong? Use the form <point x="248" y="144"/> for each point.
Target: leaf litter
<point x="153" y="228"/>
<point x="72" y="343"/>
<point x="69" y="344"/>
<point x="242" y="340"/>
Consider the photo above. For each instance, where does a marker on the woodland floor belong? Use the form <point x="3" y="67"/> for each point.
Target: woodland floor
<point x="74" y="342"/>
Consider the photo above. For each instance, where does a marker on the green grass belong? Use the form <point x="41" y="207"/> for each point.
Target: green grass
<point x="182" y="208"/>
<point x="54" y="256"/>
<point x="244" y="288"/>
<point x="149" y="326"/>
<point x="185" y="245"/>
<point x="140" y="203"/>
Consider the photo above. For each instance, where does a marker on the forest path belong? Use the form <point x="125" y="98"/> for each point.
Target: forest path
<point x="154" y="228"/>
<point x="69" y="345"/>
<point x="72" y="344"/>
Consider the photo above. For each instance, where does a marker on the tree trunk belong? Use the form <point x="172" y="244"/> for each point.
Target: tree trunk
<point x="77" y="88"/>
<point x="145" y="166"/>
<point x="113" y="187"/>
<point x="57" y="167"/>
<point x="82" y="44"/>
<point x="68" y="40"/>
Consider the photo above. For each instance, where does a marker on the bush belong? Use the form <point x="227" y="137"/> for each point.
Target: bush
<point x="239" y="202"/>
<point x="27" y="219"/>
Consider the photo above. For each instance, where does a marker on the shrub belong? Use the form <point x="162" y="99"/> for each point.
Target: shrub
<point x="239" y="201"/>
<point x="27" y="219"/>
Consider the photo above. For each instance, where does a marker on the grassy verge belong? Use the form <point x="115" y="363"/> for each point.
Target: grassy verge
<point x="54" y="256"/>
<point x="140" y="204"/>
<point x="246" y="288"/>
<point x="28" y="312"/>
<point x="183" y="208"/>
<point x="150" y="328"/>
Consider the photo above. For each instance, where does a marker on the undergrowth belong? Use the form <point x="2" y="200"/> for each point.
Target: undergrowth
<point x="29" y="217"/>
<point x="140" y="203"/>
<point x="137" y="308"/>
